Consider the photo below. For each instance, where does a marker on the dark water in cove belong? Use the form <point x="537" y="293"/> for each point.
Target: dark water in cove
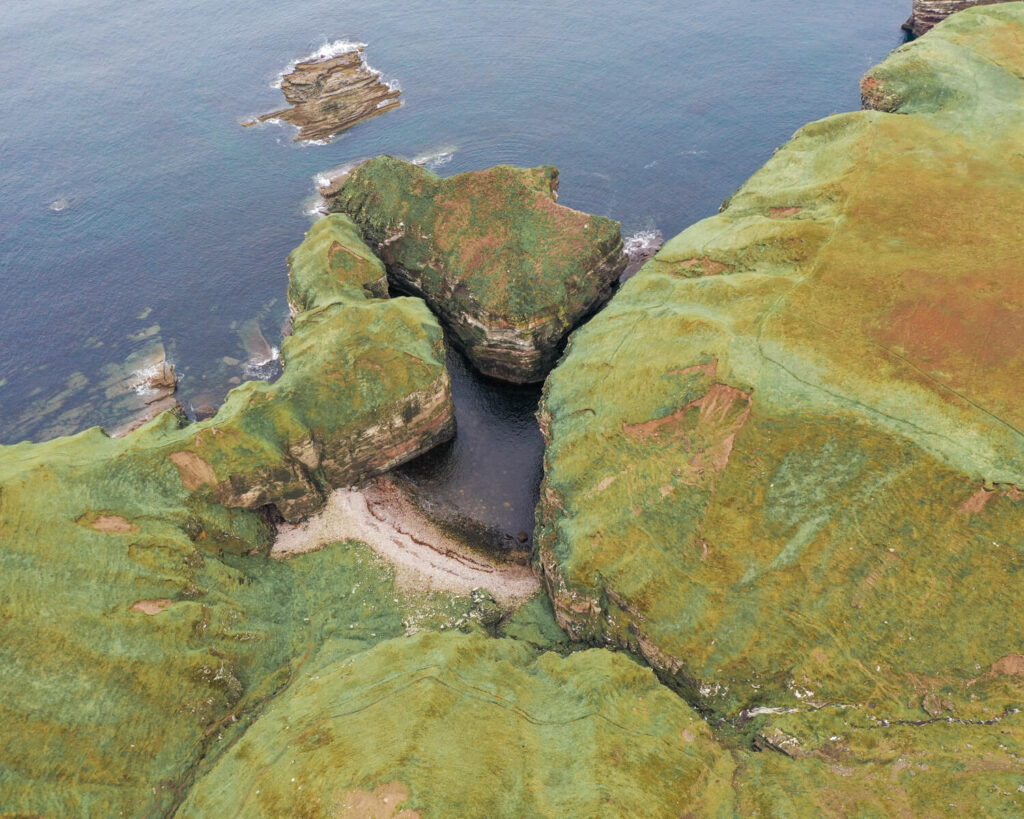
<point x="134" y="209"/>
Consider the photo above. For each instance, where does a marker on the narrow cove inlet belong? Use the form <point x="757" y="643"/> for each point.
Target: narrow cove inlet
<point x="477" y="410"/>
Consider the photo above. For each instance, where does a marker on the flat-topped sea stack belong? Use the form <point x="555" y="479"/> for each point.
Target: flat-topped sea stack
<point x="786" y="462"/>
<point x="929" y="13"/>
<point x="330" y="94"/>
<point x="505" y="267"/>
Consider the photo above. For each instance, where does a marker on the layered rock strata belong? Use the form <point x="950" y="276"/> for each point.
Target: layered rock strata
<point x="928" y="13"/>
<point x="331" y="95"/>
<point x="785" y="464"/>
<point x="506" y="268"/>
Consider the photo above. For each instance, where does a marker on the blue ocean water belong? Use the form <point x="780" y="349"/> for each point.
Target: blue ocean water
<point x="134" y="208"/>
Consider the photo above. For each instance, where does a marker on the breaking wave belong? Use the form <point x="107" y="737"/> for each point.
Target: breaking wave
<point x="327" y="51"/>
<point x="435" y="159"/>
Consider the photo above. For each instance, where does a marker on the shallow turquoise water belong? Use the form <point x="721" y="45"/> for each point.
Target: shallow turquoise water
<point x="178" y="221"/>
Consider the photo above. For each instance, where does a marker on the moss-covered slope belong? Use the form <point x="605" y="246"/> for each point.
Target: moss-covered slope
<point x="134" y="639"/>
<point x="786" y="461"/>
<point x="508" y="269"/>
<point x="453" y="725"/>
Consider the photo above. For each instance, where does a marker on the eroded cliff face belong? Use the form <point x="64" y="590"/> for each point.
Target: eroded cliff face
<point x="133" y="640"/>
<point x="785" y="462"/>
<point x="928" y="13"/>
<point x="498" y="260"/>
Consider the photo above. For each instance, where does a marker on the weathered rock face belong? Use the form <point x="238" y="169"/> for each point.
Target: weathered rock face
<point x="505" y="267"/>
<point x="143" y="389"/>
<point x="928" y="13"/>
<point x="329" y="96"/>
<point x="453" y="725"/>
<point x="786" y="462"/>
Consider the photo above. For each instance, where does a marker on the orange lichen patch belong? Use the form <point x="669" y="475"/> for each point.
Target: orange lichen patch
<point x="977" y="502"/>
<point x="152" y="606"/>
<point x="782" y="213"/>
<point x="706" y="265"/>
<point x="114" y="524"/>
<point x="194" y="471"/>
<point x="707" y="427"/>
<point x="381" y="803"/>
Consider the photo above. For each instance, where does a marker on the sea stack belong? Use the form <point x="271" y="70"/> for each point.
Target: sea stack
<point x="331" y="94"/>
<point x="505" y="267"/>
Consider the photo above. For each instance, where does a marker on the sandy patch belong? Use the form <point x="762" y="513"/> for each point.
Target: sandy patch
<point x="152" y="606"/>
<point x="381" y="516"/>
<point x="380" y="804"/>
<point x="113" y="523"/>
<point x="194" y="470"/>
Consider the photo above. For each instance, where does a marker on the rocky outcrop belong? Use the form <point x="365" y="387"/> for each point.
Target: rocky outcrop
<point x="928" y="13"/>
<point x="333" y="94"/>
<point x="142" y="389"/>
<point x="134" y="637"/>
<point x="505" y="267"/>
<point x="785" y="462"/>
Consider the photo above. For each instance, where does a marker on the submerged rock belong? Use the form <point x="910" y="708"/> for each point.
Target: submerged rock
<point x="785" y="464"/>
<point x="330" y="95"/>
<point x="508" y="269"/>
<point x="142" y="388"/>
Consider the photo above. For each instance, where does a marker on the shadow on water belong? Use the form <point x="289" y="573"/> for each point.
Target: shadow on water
<point x="491" y="470"/>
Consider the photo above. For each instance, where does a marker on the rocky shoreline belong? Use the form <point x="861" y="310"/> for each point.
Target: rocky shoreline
<point x="779" y="536"/>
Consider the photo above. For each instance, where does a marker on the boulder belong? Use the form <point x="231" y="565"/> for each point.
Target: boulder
<point x="504" y="266"/>
<point x="785" y="463"/>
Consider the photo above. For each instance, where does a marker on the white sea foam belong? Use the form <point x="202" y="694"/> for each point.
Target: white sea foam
<point x="325" y="178"/>
<point x="436" y="158"/>
<point x="314" y="207"/>
<point x="642" y="244"/>
<point x="266" y="370"/>
<point x="327" y="51"/>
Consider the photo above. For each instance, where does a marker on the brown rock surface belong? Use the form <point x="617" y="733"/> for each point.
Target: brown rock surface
<point x="331" y="95"/>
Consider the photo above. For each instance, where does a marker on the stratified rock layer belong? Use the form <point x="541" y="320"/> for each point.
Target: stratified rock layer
<point x="786" y="462"/>
<point x="133" y="638"/>
<point x="331" y="95"/>
<point x="508" y="269"/>
<point x="929" y="13"/>
<point x="451" y="725"/>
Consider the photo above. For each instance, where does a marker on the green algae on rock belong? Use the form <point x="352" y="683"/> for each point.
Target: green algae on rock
<point x="785" y="462"/>
<point x="456" y="725"/>
<point x="508" y="269"/>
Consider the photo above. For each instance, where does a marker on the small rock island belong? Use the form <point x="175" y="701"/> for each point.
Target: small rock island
<point x="331" y="95"/>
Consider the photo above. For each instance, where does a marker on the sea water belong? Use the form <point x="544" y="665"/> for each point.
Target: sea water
<point x="136" y="211"/>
